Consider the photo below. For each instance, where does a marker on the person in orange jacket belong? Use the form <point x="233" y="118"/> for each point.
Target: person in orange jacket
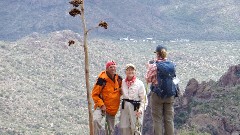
<point x="106" y="96"/>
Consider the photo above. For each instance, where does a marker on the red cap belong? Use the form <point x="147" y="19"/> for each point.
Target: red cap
<point x="109" y="63"/>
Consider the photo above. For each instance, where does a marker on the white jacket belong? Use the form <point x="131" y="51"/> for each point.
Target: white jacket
<point x="135" y="92"/>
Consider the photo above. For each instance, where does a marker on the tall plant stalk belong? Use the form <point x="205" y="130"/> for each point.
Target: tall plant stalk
<point x="79" y="10"/>
<point x="85" y="45"/>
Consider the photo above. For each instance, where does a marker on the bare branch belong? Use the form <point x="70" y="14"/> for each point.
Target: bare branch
<point x="92" y="29"/>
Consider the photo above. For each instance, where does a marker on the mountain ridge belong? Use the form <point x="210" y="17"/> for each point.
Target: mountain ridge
<point x="162" y="19"/>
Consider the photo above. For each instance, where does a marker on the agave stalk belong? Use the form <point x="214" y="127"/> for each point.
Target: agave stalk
<point x="79" y="10"/>
<point x="85" y="45"/>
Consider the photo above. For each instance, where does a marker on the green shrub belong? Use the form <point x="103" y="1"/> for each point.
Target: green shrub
<point x="191" y="132"/>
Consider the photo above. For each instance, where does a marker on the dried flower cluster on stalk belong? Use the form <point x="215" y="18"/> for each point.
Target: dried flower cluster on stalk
<point x="76" y="3"/>
<point x="103" y="24"/>
<point x="71" y="42"/>
<point x="75" y="12"/>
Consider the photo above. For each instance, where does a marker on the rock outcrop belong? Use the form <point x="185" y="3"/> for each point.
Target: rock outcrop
<point x="232" y="77"/>
<point x="205" y="93"/>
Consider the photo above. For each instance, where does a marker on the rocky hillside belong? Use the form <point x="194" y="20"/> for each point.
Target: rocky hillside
<point x="159" y="19"/>
<point x="42" y="85"/>
<point x="212" y="107"/>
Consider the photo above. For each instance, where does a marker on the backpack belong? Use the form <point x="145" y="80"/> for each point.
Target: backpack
<point x="165" y="75"/>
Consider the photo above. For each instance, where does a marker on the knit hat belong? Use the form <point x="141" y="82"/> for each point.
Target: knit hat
<point x="109" y="63"/>
<point x="159" y="48"/>
<point x="130" y="65"/>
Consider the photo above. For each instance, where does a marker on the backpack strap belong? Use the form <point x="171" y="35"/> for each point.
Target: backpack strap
<point x="101" y="82"/>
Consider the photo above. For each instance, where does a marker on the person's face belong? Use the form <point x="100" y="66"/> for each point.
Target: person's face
<point x="130" y="72"/>
<point x="158" y="54"/>
<point x="111" y="69"/>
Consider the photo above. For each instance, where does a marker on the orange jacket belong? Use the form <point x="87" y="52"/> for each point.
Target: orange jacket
<point x="106" y="92"/>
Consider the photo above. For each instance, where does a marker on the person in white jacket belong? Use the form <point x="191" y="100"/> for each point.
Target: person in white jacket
<point x="134" y="102"/>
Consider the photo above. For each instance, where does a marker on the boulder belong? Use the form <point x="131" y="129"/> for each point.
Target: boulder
<point x="231" y="77"/>
<point x="191" y="87"/>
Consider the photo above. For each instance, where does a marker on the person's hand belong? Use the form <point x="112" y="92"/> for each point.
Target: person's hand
<point x="151" y="62"/>
<point x="103" y="108"/>
<point x="139" y="113"/>
<point x="121" y="92"/>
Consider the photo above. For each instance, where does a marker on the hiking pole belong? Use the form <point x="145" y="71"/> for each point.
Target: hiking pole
<point x="104" y="114"/>
<point x="145" y="99"/>
<point x="138" y="128"/>
<point x="108" y="132"/>
<point x="107" y="127"/>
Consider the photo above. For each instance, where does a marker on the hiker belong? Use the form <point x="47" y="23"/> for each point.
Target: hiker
<point x="134" y="102"/>
<point x="162" y="93"/>
<point x="106" y="96"/>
